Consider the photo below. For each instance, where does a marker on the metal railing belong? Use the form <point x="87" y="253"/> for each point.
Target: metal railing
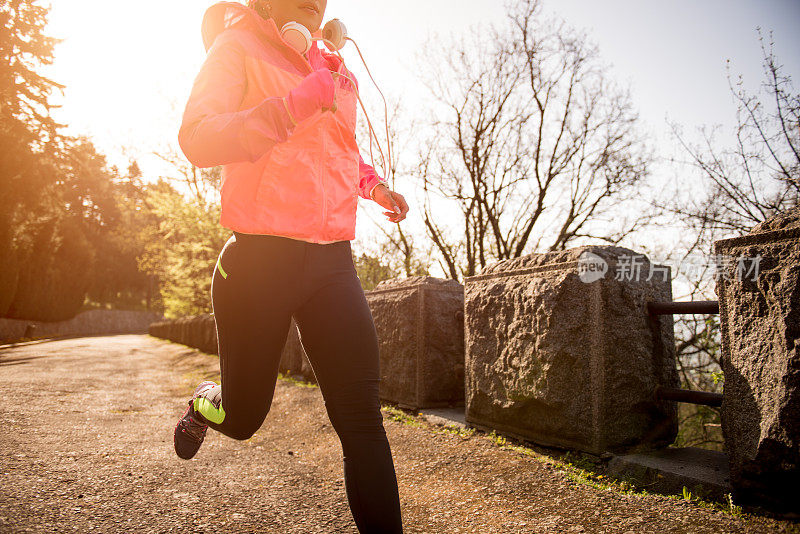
<point x="686" y="307"/>
<point x="689" y="396"/>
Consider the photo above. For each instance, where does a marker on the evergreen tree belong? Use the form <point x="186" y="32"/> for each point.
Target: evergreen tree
<point x="371" y="271"/>
<point x="59" y="202"/>
<point x="182" y="243"/>
<point x="27" y="132"/>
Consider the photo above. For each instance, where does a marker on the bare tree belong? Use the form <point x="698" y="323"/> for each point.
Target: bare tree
<point x="535" y="145"/>
<point x="407" y="252"/>
<point x="202" y="184"/>
<point x="759" y="175"/>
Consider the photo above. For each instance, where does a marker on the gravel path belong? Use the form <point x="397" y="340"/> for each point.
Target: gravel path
<point x="87" y="446"/>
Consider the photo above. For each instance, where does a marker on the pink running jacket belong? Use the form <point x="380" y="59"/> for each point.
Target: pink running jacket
<point x="299" y="181"/>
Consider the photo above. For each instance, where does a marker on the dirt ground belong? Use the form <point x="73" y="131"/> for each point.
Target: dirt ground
<point x="86" y="445"/>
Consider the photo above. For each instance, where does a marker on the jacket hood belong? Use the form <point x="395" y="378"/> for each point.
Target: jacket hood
<point x="224" y="15"/>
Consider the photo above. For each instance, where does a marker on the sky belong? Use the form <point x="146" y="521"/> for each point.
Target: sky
<point x="129" y="66"/>
<point x="674" y="54"/>
<point x="128" y="76"/>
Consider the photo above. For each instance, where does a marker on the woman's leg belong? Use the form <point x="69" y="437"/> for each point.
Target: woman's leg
<point x="338" y="334"/>
<point x="252" y="296"/>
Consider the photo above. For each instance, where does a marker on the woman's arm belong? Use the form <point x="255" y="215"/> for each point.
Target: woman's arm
<point x="214" y="131"/>
<point x="369" y="187"/>
<point x="368" y="179"/>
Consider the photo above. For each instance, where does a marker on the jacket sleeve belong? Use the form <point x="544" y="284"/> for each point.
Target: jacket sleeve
<point x="368" y="179"/>
<point x="214" y="131"/>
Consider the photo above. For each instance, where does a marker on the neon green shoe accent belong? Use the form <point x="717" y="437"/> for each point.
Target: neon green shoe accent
<point x="221" y="270"/>
<point x="207" y="409"/>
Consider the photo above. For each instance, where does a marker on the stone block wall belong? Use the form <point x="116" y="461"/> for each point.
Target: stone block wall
<point x="200" y="332"/>
<point x="559" y="352"/>
<point x="758" y="287"/>
<point x="419" y="321"/>
<point x="294" y="361"/>
<point x="88" y="323"/>
<point x="196" y="331"/>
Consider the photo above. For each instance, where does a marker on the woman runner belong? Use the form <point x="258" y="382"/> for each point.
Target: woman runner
<point x="282" y="125"/>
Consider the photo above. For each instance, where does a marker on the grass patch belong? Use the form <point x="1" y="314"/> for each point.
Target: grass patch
<point x="296" y="382"/>
<point x="396" y="414"/>
<point x="578" y="467"/>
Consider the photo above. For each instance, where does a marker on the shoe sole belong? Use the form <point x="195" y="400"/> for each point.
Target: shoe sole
<point x="175" y="435"/>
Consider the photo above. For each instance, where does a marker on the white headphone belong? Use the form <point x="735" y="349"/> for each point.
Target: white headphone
<point x="334" y="35"/>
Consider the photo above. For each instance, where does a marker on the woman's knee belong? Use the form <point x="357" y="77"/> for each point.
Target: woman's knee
<point x="356" y="420"/>
<point x="243" y="431"/>
<point x="243" y="427"/>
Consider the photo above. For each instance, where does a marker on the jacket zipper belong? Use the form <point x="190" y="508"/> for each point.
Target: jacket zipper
<point x="322" y="169"/>
<point x="309" y="68"/>
<point x="322" y="183"/>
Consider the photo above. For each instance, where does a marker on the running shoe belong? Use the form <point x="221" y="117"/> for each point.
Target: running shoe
<point x="191" y="429"/>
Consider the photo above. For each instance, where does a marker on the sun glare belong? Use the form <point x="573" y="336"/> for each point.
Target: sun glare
<point x="126" y="66"/>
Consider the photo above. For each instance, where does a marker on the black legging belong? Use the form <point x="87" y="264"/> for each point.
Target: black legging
<point x="267" y="279"/>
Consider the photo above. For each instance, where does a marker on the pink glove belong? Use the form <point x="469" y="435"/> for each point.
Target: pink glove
<point x="315" y="93"/>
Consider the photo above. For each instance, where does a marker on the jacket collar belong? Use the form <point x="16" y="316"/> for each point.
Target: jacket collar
<point x="224" y="15"/>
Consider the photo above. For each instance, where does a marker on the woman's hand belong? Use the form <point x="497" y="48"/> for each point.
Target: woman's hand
<point x="316" y="92"/>
<point x="391" y="201"/>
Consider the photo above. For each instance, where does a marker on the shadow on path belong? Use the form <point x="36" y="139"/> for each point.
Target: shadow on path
<point x="87" y="445"/>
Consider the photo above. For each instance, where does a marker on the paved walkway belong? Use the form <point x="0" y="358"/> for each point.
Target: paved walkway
<point x="86" y="445"/>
